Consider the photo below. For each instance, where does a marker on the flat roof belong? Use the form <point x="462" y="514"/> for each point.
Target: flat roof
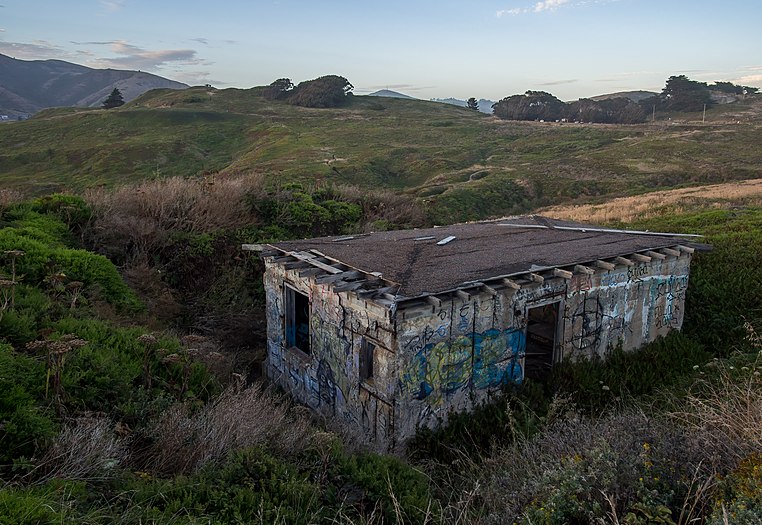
<point x="435" y="260"/>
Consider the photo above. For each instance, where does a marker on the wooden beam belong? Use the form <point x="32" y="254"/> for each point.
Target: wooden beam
<point x="487" y="288"/>
<point x="686" y="249"/>
<point x="579" y="268"/>
<point x="605" y="265"/>
<point x="283" y="258"/>
<point x="295" y="265"/>
<point x="465" y="296"/>
<point x="670" y="251"/>
<point x="656" y="255"/>
<point x="311" y="259"/>
<point x="309" y="272"/>
<point x="623" y="260"/>
<point x="511" y="284"/>
<point x="434" y="301"/>
<point x="253" y="247"/>
<point x="343" y="286"/>
<point x="446" y="240"/>
<point x="536" y="277"/>
<point x="558" y="272"/>
<point x="640" y="257"/>
<point x="327" y="279"/>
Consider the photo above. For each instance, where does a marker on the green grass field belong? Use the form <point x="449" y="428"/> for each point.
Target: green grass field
<point x="461" y="164"/>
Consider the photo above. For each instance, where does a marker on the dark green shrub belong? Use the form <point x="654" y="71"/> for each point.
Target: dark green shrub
<point x="71" y="209"/>
<point x="252" y="487"/>
<point x="25" y="425"/>
<point x="396" y="487"/>
<point x="595" y="385"/>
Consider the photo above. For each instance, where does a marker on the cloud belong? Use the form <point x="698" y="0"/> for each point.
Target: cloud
<point x="559" y="82"/>
<point x="36" y="50"/>
<point x="549" y="5"/>
<point x="749" y="79"/>
<point x="129" y="56"/>
<point x="112" y="5"/>
<point x="539" y="7"/>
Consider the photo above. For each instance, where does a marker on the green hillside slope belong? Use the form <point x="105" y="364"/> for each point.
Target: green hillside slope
<point x="462" y="164"/>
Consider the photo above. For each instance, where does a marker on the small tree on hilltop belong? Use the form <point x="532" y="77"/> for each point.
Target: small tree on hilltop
<point x="114" y="100"/>
<point x="279" y="89"/>
<point x="472" y="103"/>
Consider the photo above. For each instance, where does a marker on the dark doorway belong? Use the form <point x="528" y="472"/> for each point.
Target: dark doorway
<point x="542" y="324"/>
<point x="297" y="320"/>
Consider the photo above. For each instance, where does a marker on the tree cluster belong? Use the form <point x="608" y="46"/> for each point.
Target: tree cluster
<point x="679" y="94"/>
<point x="324" y="92"/>
<point x="683" y="94"/>
<point x="539" y="105"/>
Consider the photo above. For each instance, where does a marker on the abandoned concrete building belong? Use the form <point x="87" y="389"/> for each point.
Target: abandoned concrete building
<point x="392" y="331"/>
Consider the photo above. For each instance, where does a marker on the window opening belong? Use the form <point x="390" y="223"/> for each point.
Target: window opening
<point x="366" y="359"/>
<point x="297" y="320"/>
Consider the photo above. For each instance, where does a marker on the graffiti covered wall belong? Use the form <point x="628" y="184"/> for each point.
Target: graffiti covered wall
<point x="327" y="377"/>
<point x="433" y="360"/>
<point x="630" y="305"/>
<point x="458" y="354"/>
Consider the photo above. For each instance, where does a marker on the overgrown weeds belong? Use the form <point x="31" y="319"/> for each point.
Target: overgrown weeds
<point x="184" y="440"/>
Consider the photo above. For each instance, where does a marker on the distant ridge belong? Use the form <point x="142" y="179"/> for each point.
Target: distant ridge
<point x="485" y="105"/>
<point x="389" y="93"/>
<point x="635" y="96"/>
<point x="27" y="86"/>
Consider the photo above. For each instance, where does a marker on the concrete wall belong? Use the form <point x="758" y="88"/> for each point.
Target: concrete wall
<point x="328" y="379"/>
<point x="459" y="354"/>
<point x="433" y="360"/>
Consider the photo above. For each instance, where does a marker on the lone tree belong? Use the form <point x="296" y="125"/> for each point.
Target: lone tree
<point x="114" y="100"/>
<point x="472" y="103"/>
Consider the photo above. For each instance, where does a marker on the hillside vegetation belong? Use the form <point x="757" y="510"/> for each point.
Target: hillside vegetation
<point x="104" y="421"/>
<point x="131" y="323"/>
<point x="459" y="164"/>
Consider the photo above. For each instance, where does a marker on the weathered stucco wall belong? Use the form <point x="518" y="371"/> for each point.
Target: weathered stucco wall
<point x="458" y="354"/>
<point x="431" y="360"/>
<point x="631" y="305"/>
<point x="327" y="379"/>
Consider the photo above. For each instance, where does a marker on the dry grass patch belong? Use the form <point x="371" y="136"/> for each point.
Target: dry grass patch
<point x="629" y="209"/>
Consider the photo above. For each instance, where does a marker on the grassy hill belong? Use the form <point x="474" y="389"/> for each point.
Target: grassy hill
<point x="461" y="164"/>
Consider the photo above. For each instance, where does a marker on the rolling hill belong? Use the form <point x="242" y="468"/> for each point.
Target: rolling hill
<point x="459" y="164"/>
<point x="389" y="93"/>
<point x="27" y="86"/>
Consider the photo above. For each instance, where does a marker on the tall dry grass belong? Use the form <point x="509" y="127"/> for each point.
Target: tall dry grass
<point x="726" y="407"/>
<point x="142" y="218"/>
<point x="629" y="209"/>
<point x="9" y="197"/>
<point x="184" y="440"/>
<point x="86" y="449"/>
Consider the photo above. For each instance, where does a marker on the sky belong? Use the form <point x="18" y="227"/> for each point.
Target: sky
<point x="424" y="48"/>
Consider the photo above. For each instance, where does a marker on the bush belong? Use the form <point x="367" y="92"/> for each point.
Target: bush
<point x="185" y="440"/>
<point x="71" y="209"/>
<point x="582" y="471"/>
<point x="25" y="424"/>
<point x="596" y="384"/>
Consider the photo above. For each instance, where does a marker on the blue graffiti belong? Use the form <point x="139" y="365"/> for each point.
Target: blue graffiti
<point x="476" y="360"/>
